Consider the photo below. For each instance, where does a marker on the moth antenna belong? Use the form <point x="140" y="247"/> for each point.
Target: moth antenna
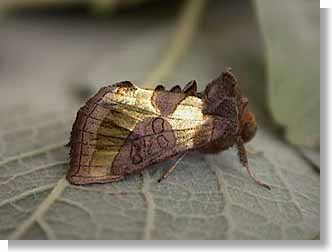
<point x="190" y="88"/>
<point x="171" y="169"/>
<point x="244" y="161"/>
<point x="176" y="89"/>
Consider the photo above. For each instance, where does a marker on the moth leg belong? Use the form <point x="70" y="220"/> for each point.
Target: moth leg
<point x="244" y="161"/>
<point x="190" y="88"/>
<point x="172" y="168"/>
<point x="176" y="89"/>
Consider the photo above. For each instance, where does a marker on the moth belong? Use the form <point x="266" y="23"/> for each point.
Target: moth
<point x="125" y="129"/>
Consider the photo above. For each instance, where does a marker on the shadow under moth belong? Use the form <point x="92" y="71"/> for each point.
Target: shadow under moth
<point x="124" y="129"/>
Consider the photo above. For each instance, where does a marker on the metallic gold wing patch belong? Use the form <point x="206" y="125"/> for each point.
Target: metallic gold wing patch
<point x="123" y="129"/>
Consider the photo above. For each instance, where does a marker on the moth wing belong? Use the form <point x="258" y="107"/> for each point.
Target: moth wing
<point x="156" y="139"/>
<point x="120" y="131"/>
<point x="101" y="128"/>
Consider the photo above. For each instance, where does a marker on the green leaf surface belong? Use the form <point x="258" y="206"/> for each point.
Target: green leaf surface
<point x="291" y="33"/>
<point x="206" y="197"/>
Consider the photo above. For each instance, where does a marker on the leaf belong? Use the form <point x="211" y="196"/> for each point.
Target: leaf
<point x="312" y="156"/>
<point x="98" y="6"/>
<point x="291" y="37"/>
<point x="207" y="196"/>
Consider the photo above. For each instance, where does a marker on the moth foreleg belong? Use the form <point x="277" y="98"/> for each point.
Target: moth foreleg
<point x="172" y="168"/>
<point x="244" y="161"/>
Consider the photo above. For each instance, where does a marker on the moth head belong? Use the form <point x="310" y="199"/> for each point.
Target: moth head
<point x="248" y="125"/>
